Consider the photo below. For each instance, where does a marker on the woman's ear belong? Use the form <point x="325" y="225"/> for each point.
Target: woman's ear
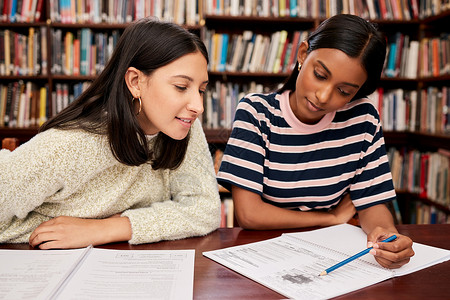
<point x="302" y="52"/>
<point x="132" y="81"/>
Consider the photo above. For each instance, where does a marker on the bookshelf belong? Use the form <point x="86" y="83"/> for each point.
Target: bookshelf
<point x="42" y="53"/>
<point x="426" y="22"/>
<point x="423" y="19"/>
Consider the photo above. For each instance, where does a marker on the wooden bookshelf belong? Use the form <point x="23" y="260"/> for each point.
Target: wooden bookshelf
<point x="417" y="28"/>
<point x="23" y="134"/>
<point x="418" y="140"/>
<point x="52" y="20"/>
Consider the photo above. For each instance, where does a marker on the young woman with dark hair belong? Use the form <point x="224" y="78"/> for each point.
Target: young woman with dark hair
<point x="126" y="161"/>
<point x="312" y="153"/>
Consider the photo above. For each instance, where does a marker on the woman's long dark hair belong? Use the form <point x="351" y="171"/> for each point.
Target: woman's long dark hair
<point x="106" y="107"/>
<point x="355" y="37"/>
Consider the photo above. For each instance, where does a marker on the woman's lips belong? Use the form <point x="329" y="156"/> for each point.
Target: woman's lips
<point x="313" y="107"/>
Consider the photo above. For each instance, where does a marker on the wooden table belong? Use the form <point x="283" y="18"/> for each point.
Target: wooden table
<point x="213" y="281"/>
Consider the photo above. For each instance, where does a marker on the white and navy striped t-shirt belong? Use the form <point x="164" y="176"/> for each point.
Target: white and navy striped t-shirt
<point x="299" y="166"/>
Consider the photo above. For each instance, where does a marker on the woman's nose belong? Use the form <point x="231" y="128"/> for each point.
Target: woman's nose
<point x="323" y="94"/>
<point x="196" y="104"/>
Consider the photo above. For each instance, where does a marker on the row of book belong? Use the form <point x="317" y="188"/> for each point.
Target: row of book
<point x="81" y="53"/>
<point x="65" y="93"/>
<point x="429" y="57"/>
<point x="25" y="104"/>
<point x="227" y="213"/>
<point x="276" y="53"/>
<point x="22" y="54"/>
<point x="21" y="10"/>
<point x="402" y="57"/>
<point x="100" y="11"/>
<point x="426" y="110"/>
<point x="422" y="173"/>
<point x="422" y="213"/>
<point x="368" y="9"/>
<point x="22" y="104"/>
<point x="124" y="11"/>
<point x="434" y="53"/>
<point x="253" y="52"/>
<point x="221" y="100"/>
<point x="430" y="8"/>
<point x="190" y="12"/>
<point x="85" y="52"/>
<point x="227" y="206"/>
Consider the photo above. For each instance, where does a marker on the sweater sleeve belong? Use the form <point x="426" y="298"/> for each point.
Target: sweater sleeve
<point x="194" y="205"/>
<point x="53" y="163"/>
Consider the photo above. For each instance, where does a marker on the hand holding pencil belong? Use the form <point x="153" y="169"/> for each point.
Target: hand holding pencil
<point x="391" y="255"/>
<point x="352" y="258"/>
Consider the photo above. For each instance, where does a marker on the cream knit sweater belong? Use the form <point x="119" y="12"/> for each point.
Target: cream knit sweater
<point x="73" y="173"/>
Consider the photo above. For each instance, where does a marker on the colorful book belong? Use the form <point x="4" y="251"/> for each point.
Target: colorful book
<point x="223" y="53"/>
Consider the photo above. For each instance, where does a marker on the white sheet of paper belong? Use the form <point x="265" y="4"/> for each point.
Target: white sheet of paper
<point x="35" y="274"/>
<point x="94" y="273"/>
<point x="350" y="239"/>
<point x="133" y="274"/>
<point x="291" y="264"/>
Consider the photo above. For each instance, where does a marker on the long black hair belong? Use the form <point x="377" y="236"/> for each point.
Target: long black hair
<point x="355" y="37"/>
<point x="106" y="107"/>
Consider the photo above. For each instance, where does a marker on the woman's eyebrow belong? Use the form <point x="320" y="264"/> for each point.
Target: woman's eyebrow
<point x="329" y="72"/>
<point x="188" y="78"/>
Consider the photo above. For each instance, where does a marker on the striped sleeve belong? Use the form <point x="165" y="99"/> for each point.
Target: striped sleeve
<point x="243" y="159"/>
<point x="372" y="183"/>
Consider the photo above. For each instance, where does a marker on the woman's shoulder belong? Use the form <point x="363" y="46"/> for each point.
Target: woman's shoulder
<point x="261" y="104"/>
<point x="66" y="148"/>
<point x="267" y="99"/>
<point x="362" y="106"/>
<point x="73" y="142"/>
<point x="71" y="137"/>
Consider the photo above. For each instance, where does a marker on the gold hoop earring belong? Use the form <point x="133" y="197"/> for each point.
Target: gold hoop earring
<point x="299" y="66"/>
<point x="140" y="104"/>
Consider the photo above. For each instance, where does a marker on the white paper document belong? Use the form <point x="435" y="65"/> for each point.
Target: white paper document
<point x="291" y="264"/>
<point x="94" y="273"/>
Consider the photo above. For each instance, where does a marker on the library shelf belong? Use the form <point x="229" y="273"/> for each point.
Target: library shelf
<point x="418" y="28"/>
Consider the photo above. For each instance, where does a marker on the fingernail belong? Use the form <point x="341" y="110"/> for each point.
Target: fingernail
<point x="369" y="244"/>
<point x="373" y="252"/>
<point x="376" y="246"/>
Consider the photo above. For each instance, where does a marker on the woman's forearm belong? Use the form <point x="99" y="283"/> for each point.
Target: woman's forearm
<point x="376" y="216"/>
<point x="253" y="213"/>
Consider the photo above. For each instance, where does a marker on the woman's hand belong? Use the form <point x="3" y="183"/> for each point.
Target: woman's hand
<point x="344" y="211"/>
<point x="393" y="254"/>
<point x="69" y="232"/>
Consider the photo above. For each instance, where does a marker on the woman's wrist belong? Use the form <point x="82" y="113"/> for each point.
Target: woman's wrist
<point x="115" y="229"/>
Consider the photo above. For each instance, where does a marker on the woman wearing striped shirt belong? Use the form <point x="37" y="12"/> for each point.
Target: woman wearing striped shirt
<point x="313" y="153"/>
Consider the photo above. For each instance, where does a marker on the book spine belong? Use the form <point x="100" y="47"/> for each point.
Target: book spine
<point x="42" y="105"/>
<point x="13" y="11"/>
<point x="3" y="94"/>
<point x="76" y="56"/>
<point x="223" y="53"/>
<point x="279" y="52"/>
